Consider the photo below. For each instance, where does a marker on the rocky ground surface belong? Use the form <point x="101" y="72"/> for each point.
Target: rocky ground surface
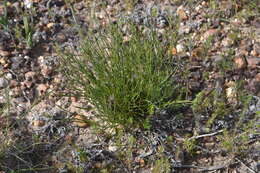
<point x="39" y="131"/>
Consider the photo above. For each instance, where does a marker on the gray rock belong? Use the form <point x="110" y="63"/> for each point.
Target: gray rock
<point x="258" y="166"/>
<point x="9" y="76"/>
<point x="17" y="61"/>
<point x="161" y="21"/>
<point x="39" y="36"/>
<point x="4" y="38"/>
<point x="3" y="83"/>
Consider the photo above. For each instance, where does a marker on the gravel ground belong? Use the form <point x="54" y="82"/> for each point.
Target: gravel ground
<point x="40" y="119"/>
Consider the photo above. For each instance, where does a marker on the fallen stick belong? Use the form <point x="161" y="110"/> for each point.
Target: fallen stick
<point x="250" y="169"/>
<point x="206" y="135"/>
<point x="202" y="169"/>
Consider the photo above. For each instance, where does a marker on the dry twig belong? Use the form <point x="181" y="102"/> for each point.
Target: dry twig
<point x="250" y="169"/>
<point x="206" y="135"/>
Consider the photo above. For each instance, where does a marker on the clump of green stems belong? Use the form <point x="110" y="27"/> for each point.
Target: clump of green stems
<point x="28" y="29"/>
<point x="125" y="81"/>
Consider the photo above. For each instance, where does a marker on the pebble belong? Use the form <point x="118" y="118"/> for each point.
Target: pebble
<point x="257" y="77"/>
<point x="4" y="38"/>
<point x="4" y="53"/>
<point x="2" y="99"/>
<point x="61" y="37"/>
<point x="174" y="51"/>
<point x="16" y="91"/>
<point x="29" y="75"/>
<point x="74" y="99"/>
<point x="181" y="13"/>
<point x="80" y="121"/>
<point x="240" y="62"/>
<point x="98" y="165"/>
<point x="254" y="53"/>
<point x="253" y="62"/>
<point x="79" y="6"/>
<point x="161" y="21"/>
<point x="112" y="148"/>
<point x="3" y="61"/>
<point x="180" y="48"/>
<point x="254" y="87"/>
<point x="26" y="84"/>
<point x="9" y="76"/>
<point x="19" y="100"/>
<point x="41" y="89"/>
<point x="57" y="80"/>
<point x="21" y="107"/>
<point x="38" y="123"/>
<point x="3" y="83"/>
<point x="231" y="92"/>
<point x="198" y="8"/>
<point x="50" y="25"/>
<point x="16" y="62"/>
<point x="26" y="57"/>
<point x="39" y="35"/>
<point x="126" y="39"/>
<point x="28" y="3"/>
<point x="13" y="83"/>
<point x="46" y="71"/>
<point x="256" y="50"/>
<point x="114" y="2"/>
<point x="184" y="29"/>
<point x="204" y="3"/>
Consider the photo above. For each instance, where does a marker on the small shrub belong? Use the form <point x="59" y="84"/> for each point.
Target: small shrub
<point x="125" y="80"/>
<point x="162" y="165"/>
<point x="211" y="104"/>
<point x="190" y="146"/>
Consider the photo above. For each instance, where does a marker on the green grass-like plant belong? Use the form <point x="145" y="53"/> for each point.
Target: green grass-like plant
<point x="28" y="30"/>
<point x="125" y="81"/>
<point x="4" y="17"/>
